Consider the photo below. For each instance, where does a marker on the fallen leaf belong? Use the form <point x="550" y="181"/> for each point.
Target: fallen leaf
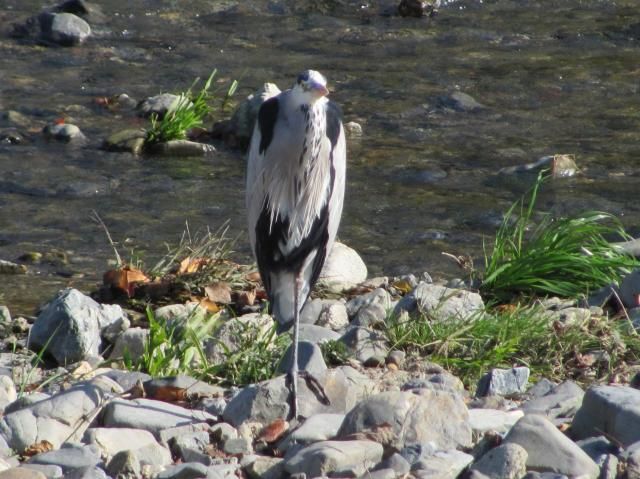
<point x="125" y="279"/>
<point x="168" y="394"/>
<point x="192" y="265"/>
<point x="246" y="298"/>
<point x="209" y="305"/>
<point x="253" y="276"/>
<point x="218" y="293"/>
<point x="403" y="286"/>
<point x="274" y="431"/>
<point x="84" y="370"/>
<point x="37" y="448"/>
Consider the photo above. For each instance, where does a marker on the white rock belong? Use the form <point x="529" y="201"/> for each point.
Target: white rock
<point x="483" y="420"/>
<point x="343" y="269"/>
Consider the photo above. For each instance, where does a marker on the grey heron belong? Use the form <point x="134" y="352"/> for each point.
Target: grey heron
<point x="295" y="192"/>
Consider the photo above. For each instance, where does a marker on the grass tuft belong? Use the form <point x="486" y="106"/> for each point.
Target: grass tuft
<point x="520" y="336"/>
<point x="561" y="256"/>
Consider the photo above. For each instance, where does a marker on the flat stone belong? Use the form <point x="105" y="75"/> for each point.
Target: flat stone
<point x="21" y="473"/>
<point x="125" y="465"/>
<point x="549" y="450"/>
<point x="445" y="464"/>
<point x="319" y="427"/>
<point x="150" y="415"/>
<point x="50" y="471"/>
<point x="326" y="457"/>
<point x="610" y="410"/>
<point x="503" y="382"/>
<point x="562" y="400"/>
<point x="265" y="468"/>
<point x="69" y="458"/>
<point x="440" y="303"/>
<point x="111" y="441"/>
<point x="378" y="296"/>
<point x="483" y="420"/>
<point x="434" y="416"/>
<point x="507" y="461"/>
<point x="316" y="334"/>
<point x="188" y="470"/>
<point x="130" y="140"/>
<point x="56" y="419"/>
<point x="238" y="445"/>
<point x="266" y="401"/>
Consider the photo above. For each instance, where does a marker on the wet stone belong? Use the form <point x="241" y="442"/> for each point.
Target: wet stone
<point x="158" y="105"/>
<point x="131" y="140"/>
<point x="65" y="29"/>
<point x="65" y="132"/>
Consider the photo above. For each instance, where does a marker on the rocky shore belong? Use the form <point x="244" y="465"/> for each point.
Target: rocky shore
<point x="80" y="413"/>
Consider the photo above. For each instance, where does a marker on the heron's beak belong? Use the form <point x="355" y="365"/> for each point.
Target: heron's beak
<point x="319" y="89"/>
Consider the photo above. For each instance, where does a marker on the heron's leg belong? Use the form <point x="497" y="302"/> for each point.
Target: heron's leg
<point x="293" y="372"/>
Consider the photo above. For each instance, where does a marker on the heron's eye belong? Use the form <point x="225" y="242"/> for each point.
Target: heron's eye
<point x="303" y="77"/>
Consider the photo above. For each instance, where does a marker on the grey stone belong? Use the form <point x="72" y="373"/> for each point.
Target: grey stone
<point x="326" y="457"/>
<point x="65" y="132"/>
<point x="608" y="465"/>
<point x="440" y="303"/>
<point x="541" y="388"/>
<point x="312" y="309"/>
<point x="8" y="392"/>
<point x="396" y="357"/>
<point x="130" y="343"/>
<point x="630" y="289"/>
<point x="343" y="268"/>
<point x="214" y="406"/>
<point x="263" y="467"/>
<point x="166" y="436"/>
<point x="443" y="381"/>
<point x="632" y="456"/>
<point x="309" y="359"/>
<point x="5" y="314"/>
<point x="460" y="101"/>
<point x="191" y="447"/>
<point x="129" y="140"/>
<point x="21" y="473"/>
<point x="239" y="445"/>
<point x="50" y="471"/>
<point x="159" y="104"/>
<point x="125" y="465"/>
<point x="444" y="464"/>
<point x="319" y="427"/>
<point x="223" y="431"/>
<point x="371" y="316"/>
<point x="507" y="461"/>
<point x="111" y="441"/>
<point x="244" y="118"/>
<point x="69" y="458"/>
<point x="610" y="410"/>
<point x="378" y="296"/>
<point x="69" y="326"/>
<point x="266" y="401"/>
<point x="334" y="316"/>
<point x="353" y="129"/>
<point x="150" y="415"/>
<point x="316" y="334"/>
<point x="396" y="463"/>
<point x="228" y="336"/>
<point x="381" y="474"/>
<point x="126" y="379"/>
<point x="64" y="29"/>
<point x="598" y="446"/>
<point x="484" y="420"/>
<point x="180" y="148"/>
<point x="364" y="343"/>
<point x="549" y="450"/>
<point x="434" y="416"/>
<point x="89" y="472"/>
<point x="503" y="382"/>
<point x="188" y="470"/>
<point x="64" y="416"/>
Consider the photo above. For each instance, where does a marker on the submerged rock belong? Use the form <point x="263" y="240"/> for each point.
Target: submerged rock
<point x="65" y="132"/>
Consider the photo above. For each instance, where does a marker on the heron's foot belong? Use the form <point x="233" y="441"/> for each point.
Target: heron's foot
<point x="314" y="385"/>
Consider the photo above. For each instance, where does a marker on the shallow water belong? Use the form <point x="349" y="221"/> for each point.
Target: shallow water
<point x="553" y="76"/>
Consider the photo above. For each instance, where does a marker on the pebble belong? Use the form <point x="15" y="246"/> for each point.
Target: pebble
<point x="65" y="132"/>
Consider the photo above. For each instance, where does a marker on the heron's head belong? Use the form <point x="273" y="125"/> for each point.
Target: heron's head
<point x="312" y="85"/>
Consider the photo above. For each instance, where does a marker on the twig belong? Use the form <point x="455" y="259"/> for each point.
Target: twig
<point x="96" y="217"/>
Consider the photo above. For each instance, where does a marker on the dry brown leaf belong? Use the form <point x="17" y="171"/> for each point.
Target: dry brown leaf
<point x="246" y="298"/>
<point x="37" y="448"/>
<point x="192" y="265"/>
<point x="125" y="279"/>
<point x="168" y="394"/>
<point x="403" y="286"/>
<point x="253" y="276"/>
<point x="209" y="305"/>
<point x="218" y="292"/>
<point x="274" y="431"/>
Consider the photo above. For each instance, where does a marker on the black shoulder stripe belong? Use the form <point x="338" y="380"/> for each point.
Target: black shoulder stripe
<point x="267" y="116"/>
<point x="334" y="118"/>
